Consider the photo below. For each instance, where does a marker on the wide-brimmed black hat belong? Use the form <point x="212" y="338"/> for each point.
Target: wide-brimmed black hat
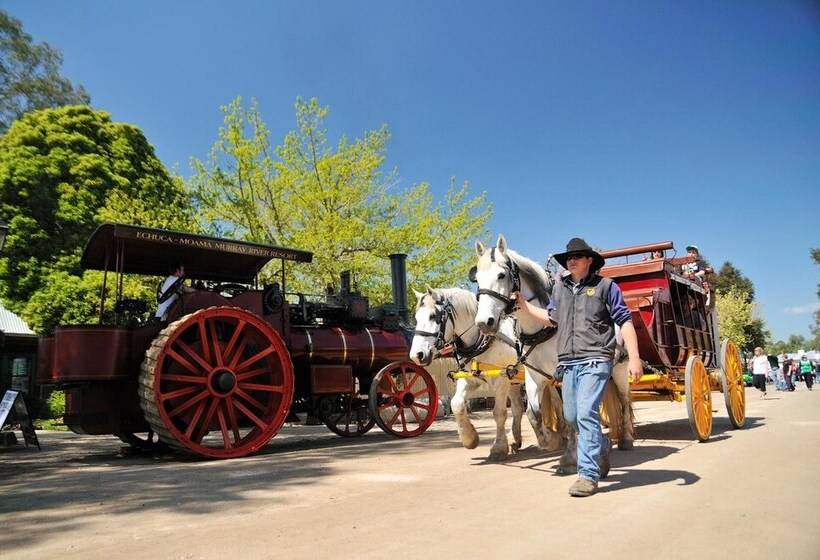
<point x="578" y="245"/>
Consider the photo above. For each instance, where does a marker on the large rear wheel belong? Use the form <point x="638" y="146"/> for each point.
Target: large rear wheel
<point x="698" y="398"/>
<point x="734" y="390"/>
<point x="217" y="383"/>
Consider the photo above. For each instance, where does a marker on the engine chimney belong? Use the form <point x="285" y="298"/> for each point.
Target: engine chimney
<point x="398" y="274"/>
<point x="345" y="287"/>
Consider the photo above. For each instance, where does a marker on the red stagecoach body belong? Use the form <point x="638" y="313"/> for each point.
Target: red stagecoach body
<point x="678" y="337"/>
<point x="669" y="312"/>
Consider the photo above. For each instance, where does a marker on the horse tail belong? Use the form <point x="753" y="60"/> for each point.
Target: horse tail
<point x="611" y="412"/>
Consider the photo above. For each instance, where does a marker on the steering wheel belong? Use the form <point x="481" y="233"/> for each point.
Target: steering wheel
<point x="230" y="287"/>
<point x="174" y="288"/>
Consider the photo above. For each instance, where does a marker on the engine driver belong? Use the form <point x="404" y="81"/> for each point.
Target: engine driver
<point x="169" y="292"/>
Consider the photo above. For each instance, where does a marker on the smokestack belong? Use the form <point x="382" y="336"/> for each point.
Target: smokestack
<point x="345" y="287"/>
<point x="398" y="274"/>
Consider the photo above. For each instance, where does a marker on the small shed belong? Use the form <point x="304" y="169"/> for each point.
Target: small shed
<point x="18" y="353"/>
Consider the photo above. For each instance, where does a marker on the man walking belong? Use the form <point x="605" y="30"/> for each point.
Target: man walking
<point x="587" y="308"/>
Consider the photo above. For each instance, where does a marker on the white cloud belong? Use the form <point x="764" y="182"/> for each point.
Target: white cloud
<point x="802" y="309"/>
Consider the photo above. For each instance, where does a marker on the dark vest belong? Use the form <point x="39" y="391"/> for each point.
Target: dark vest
<point x="585" y="325"/>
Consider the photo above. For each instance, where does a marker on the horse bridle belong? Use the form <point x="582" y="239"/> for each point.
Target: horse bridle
<point x="443" y="312"/>
<point x="515" y="277"/>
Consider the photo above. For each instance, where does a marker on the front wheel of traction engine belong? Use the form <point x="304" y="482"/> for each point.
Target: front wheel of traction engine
<point x="217" y="383"/>
<point x="403" y="399"/>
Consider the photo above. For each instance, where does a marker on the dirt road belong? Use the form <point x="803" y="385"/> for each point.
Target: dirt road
<point x="745" y="494"/>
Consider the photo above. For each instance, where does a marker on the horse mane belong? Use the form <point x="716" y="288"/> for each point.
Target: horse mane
<point x="463" y="301"/>
<point x="534" y="274"/>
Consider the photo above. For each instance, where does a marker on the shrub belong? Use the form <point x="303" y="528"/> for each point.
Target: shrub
<point x="55" y="405"/>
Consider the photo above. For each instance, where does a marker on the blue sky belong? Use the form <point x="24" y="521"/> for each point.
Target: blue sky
<point x="623" y="123"/>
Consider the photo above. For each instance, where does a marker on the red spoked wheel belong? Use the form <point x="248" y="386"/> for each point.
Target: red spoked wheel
<point x="348" y="416"/>
<point x="403" y="399"/>
<point x="217" y="383"/>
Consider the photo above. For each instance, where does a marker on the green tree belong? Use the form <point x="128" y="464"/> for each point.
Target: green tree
<point x="729" y="277"/>
<point x="30" y="75"/>
<point x="334" y="200"/>
<point x="735" y="312"/>
<point x="63" y="172"/>
<point x="794" y="343"/>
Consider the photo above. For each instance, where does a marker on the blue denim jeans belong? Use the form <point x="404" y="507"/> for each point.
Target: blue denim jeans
<point x="582" y="390"/>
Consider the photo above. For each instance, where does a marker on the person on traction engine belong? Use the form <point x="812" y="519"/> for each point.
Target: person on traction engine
<point x="170" y="290"/>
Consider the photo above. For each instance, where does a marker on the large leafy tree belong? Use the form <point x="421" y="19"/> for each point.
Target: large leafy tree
<point x="335" y="200"/>
<point x="30" y="75"/>
<point x="735" y="313"/>
<point x="729" y="283"/>
<point x="63" y="172"/>
<point x="729" y="277"/>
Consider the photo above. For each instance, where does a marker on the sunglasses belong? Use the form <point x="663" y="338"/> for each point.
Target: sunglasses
<point x="575" y="256"/>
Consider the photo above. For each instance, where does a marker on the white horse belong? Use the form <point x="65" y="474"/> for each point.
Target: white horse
<point x="501" y="271"/>
<point x="447" y="316"/>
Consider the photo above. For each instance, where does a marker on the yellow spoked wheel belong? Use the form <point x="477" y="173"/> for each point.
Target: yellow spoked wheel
<point x="734" y="390"/>
<point x="698" y="398"/>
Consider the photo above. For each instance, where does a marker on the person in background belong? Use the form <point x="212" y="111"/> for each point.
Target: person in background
<point x="760" y="369"/>
<point x="776" y="376"/>
<point x="806" y="371"/>
<point x="787" y="372"/>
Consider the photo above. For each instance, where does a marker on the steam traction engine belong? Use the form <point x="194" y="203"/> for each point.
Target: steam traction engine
<point x="233" y="361"/>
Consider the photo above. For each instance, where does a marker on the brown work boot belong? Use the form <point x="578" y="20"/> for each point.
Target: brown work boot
<point x="583" y="487"/>
<point x="603" y="460"/>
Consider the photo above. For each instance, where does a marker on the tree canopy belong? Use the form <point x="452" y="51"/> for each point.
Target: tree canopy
<point x="729" y="277"/>
<point x="63" y="172"/>
<point x="335" y="200"/>
<point x="793" y="344"/>
<point x="30" y="75"/>
<point x="735" y="314"/>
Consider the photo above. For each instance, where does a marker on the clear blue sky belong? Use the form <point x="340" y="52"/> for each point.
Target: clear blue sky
<point x="623" y="123"/>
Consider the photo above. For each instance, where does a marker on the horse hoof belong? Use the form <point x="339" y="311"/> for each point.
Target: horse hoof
<point x="565" y="470"/>
<point x="471" y="444"/>
<point x="498" y="455"/>
<point x="626" y="444"/>
<point x="515" y="447"/>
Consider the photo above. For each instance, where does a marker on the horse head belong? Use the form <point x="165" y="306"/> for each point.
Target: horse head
<point x="497" y="276"/>
<point x="431" y="326"/>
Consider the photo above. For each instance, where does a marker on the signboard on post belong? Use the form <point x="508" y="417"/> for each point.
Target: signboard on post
<point x="14" y="405"/>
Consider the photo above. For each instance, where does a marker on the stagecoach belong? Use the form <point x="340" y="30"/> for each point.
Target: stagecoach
<point x="234" y="360"/>
<point x="678" y="337"/>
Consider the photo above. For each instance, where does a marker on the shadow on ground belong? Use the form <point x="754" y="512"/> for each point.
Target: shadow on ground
<point x="90" y="472"/>
<point x="679" y="429"/>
